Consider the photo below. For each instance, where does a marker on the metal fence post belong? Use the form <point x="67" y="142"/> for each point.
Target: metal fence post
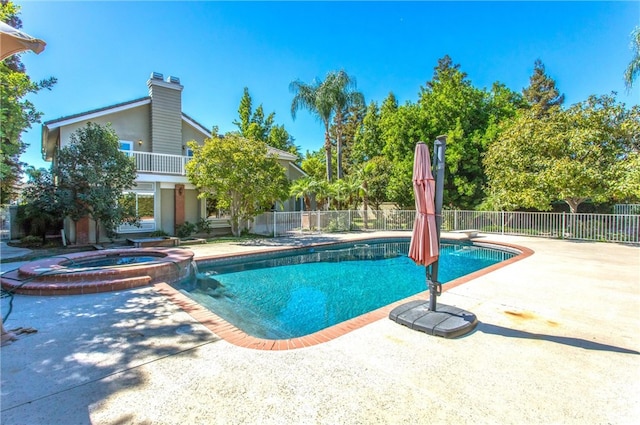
<point x="564" y="223"/>
<point x="274" y="224"/>
<point x="502" y="220"/>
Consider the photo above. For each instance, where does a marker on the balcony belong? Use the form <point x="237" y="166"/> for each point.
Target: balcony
<point x="159" y="163"/>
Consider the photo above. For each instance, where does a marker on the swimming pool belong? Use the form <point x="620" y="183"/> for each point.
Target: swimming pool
<point x="291" y="294"/>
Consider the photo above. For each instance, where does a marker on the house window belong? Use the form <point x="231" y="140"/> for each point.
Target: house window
<point x="126" y="146"/>
<point x="189" y="152"/>
<point x="143" y="204"/>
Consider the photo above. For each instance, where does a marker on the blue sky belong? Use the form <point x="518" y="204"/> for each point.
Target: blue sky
<point x="102" y="53"/>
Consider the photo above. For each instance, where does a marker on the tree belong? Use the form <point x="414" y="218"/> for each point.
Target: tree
<point x="91" y="173"/>
<point x="304" y="188"/>
<point x="376" y="173"/>
<point x="42" y="208"/>
<point x="400" y="129"/>
<point x="314" y="165"/>
<point x="571" y="155"/>
<point x="254" y="125"/>
<point x="627" y="187"/>
<point x="348" y="191"/>
<point x="280" y="138"/>
<point x="315" y="98"/>
<point x="17" y="114"/>
<point x="351" y="127"/>
<point x="400" y="188"/>
<point x="542" y="93"/>
<point x="368" y="141"/>
<point x="633" y="69"/>
<point x="343" y="93"/>
<point x="328" y="99"/>
<point x="239" y="174"/>
<point x="451" y="105"/>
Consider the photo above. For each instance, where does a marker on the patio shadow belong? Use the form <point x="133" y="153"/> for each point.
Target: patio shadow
<point x="488" y="328"/>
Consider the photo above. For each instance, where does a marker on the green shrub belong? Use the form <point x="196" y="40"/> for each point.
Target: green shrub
<point x="158" y="234"/>
<point x="31" y="241"/>
<point x="185" y="230"/>
<point x="203" y="226"/>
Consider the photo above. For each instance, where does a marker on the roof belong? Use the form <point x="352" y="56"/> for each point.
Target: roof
<point x="70" y="119"/>
<point x="282" y="154"/>
<point x="196" y="124"/>
<point x="118" y="107"/>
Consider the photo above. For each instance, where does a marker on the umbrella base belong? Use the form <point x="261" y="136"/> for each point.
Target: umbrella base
<point x="446" y="321"/>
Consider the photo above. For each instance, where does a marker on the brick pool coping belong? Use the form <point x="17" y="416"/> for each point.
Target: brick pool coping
<point x="49" y="276"/>
<point x="235" y="336"/>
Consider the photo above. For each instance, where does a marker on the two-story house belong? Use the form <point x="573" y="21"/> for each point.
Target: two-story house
<point x="154" y="131"/>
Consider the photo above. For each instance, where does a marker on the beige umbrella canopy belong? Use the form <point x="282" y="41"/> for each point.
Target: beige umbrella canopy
<point x="13" y="41"/>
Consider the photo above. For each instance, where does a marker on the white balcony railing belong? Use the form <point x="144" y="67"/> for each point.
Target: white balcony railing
<point x="159" y="163"/>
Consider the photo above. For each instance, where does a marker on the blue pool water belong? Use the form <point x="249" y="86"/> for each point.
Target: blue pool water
<point x="285" y="296"/>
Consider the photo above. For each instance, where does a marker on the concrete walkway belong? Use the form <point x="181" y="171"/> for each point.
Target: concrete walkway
<point x="7" y="251"/>
<point x="558" y="342"/>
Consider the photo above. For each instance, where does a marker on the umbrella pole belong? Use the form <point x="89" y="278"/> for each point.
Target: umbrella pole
<point x="439" y="148"/>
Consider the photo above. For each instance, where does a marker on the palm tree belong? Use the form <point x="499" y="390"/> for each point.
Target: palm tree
<point x="304" y="188"/>
<point x="633" y="70"/>
<point x="328" y="99"/>
<point x="315" y="98"/>
<point x="344" y="95"/>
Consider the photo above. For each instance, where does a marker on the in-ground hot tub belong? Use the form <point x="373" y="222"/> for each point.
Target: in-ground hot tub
<point x="99" y="271"/>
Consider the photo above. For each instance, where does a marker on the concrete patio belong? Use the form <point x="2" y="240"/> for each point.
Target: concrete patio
<point x="558" y="342"/>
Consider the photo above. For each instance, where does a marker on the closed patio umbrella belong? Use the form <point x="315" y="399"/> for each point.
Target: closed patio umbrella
<point x="447" y="321"/>
<point x="424" y="246"/>
<point x="424" y="239"/>
<point x="14" y="41"/>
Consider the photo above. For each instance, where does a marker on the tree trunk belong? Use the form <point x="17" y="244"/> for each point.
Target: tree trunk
<point x="339" y="145"/>
<point x="327" y="147"/>
<point x="573" y="204"/>
<point x="235" y="214"/>
<point x="365" y="202"/>
<point x="339" y="156"/>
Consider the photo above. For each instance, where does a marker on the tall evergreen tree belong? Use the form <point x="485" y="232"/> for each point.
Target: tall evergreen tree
<point x="451" y="105"/>
<point x="351" y="127"/>
<point x="542" y="93"/>
<point x="368" y="140"/>
<point x="254" y="125"/>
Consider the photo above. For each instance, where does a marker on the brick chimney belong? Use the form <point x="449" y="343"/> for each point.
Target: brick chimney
<point x="166" y="114"/>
